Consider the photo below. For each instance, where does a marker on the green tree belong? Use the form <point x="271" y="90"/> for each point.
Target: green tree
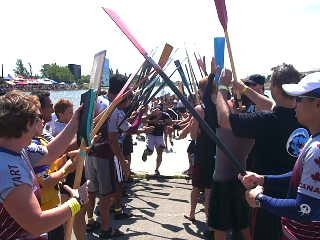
<point x="21" y="69"/>
<point x="84" y="79"/>
<point x="57" y="73"/>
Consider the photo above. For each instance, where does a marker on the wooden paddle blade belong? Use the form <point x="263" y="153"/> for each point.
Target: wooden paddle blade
<point x="97" y="69"/>
<point x="88" y="100"/>
<point x="167" y="50"/>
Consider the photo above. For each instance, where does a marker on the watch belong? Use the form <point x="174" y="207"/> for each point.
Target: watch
<point x="223" y="87"/>
<point x="258" y="199"/>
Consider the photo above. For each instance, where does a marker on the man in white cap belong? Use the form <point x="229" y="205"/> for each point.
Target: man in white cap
<point x="300" y="211"/>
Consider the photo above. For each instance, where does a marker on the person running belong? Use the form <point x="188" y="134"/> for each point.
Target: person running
<point x="159" y="120"/>
<point x="270" y="130"/>
<point x="300" y="210"/>
<point x="19" y="203"/>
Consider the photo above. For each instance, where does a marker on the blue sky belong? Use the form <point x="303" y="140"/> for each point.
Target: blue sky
<point x="262" y="33"/>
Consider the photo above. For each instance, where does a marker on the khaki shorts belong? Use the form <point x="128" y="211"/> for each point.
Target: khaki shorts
<point x="102" y="175"/>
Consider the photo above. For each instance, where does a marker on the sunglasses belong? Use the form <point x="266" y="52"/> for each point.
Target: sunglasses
<point x="251" y="84"/>
<point x="38" y="117"/>
<point x="299" y="98"/>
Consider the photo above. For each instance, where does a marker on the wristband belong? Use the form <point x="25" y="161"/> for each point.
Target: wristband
<point x="244" y="90"/>
<point x="223" y="87"/>
<point x="258" y="199"/>
<point x="74" y="206"/>
<point x="63" y="172"/>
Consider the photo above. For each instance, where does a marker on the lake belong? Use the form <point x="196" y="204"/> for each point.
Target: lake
<point x="75" y="95"/>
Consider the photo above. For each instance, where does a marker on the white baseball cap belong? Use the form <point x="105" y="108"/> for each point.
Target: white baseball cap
<point x="307" y="84"/>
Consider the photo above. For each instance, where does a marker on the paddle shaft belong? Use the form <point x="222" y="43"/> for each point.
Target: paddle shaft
<point x="234" y="74"/>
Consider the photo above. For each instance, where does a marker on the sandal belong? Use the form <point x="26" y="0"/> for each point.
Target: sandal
<point x="90" y="227"/>
<point x="193" y="220"/>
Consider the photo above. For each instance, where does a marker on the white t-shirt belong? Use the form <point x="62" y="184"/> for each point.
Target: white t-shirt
<point x="57" y="127"/>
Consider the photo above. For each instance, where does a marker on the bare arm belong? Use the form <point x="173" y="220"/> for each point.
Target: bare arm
<point x="61" y="142"/>
<point x="262" y="102"/>
<point x="223" y="110"/>
<point x="24" y="207"/>
<point x="113" y="138"/>
<point x="194" y="127"/>
<point x="184" y="132"/>
<point x="55" y="177"/>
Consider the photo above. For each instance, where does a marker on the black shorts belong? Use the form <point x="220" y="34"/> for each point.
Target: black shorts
<point x="127" y="146"/>
<point x="202" y="176"/>
<point x="191" y="147"/>
<point x="228" y="208"/>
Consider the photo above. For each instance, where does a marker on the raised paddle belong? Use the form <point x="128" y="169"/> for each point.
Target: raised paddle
<point x="223" y="18"/>
<point x="205" y="127"/>
<point x="88" y="100"/>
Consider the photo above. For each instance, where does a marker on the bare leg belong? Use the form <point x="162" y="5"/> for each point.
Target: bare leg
<point x="246" y="234"/>
<point x="207" y="193"/>
<point x="90" y="206"/>
<point x="195" y="192"/>
<point x="105" y="204"/>
<point x="79" y="226"/>
<point x="220" y="235"/>
<point x="159" y="156"/>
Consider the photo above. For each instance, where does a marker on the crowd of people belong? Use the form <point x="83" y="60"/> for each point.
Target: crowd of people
<point x="275" y="140"/>
<point x="4" y="87"/>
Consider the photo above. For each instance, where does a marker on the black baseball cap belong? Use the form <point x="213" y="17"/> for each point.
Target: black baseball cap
<point x="255" y="79"/>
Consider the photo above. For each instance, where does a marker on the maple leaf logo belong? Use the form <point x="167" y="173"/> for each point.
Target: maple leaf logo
<point x="316" y="176"/>
<point x="317" y="161"/>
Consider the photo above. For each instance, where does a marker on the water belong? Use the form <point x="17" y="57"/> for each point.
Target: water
<point x="75" y="95"/>
<point x="72" y="95"/>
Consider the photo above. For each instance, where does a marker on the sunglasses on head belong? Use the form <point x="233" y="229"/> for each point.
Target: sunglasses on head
<point x="38" y="116"/>
<point x="299" y="98"/>
<point x="249" y="84"/>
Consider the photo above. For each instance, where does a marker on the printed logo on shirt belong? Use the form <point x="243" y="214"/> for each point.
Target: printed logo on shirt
<point x="316" y="176"/>
<point x="296" y="141"/>
<point x="310" y="188"/>
<point x="317" y="161"/>
<point x="305" y="209"/>
<point x="15" y="174"/>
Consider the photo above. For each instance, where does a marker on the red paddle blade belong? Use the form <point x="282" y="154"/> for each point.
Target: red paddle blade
<point x="222" y="13"/>
<point x="118" y="21"/>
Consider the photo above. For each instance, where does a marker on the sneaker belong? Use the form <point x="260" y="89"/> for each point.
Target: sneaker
<point x="90" y="227"/>
<point x="144" y="155"/>
<point x="109" y="234"/>
<point x="156" y="173"/>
